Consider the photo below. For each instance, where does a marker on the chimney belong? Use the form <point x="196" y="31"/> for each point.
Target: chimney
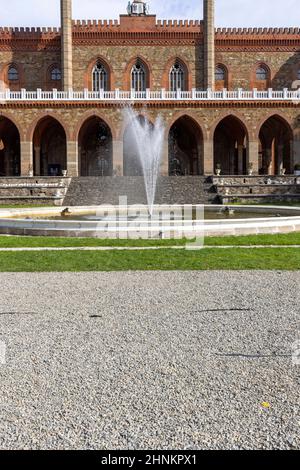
<point x="66" y="44"/>
<point x="209" y="43"/>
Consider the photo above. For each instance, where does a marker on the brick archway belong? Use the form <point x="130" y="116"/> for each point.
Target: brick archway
<point x="275" y="138"/>
<point x="185" y="147"/>
<point x="98" y="114"/>
<point x="10" y="148"/>
<point x="131" y="150"/>
<point x="95" y="145"/>
<point x="49" y="147"/>
<point x="230" y="145"/>
<point x="31" y="129"/>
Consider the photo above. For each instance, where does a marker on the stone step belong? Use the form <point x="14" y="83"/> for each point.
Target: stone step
<point x="34" y="190"/>
<point x="259" y="189"/>
<point x="108" y="190"/>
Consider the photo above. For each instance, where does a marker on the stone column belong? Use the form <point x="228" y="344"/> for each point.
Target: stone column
<point x="268" y="160"/>
<point x="164" y="166"/>
<point x="209" y="43"/>
<point x="26" y="157"/>
<point x="252" y="154"/>
<point x="296" y="151"/>
<point x="118" y="157"/>
<point x="66" y="44"/>
<point x="240" y="159"/>
<point x="7" y="163"/>
<point x="280" y="158"/>
<point x="208" y="157"/>
<point x="292" y="162"/>
<point x="37" y="160"/>
<point x="72" y="158"/>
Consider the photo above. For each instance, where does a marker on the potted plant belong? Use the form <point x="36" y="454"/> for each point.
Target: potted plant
<point x="250" y="169"/>
<point x="218" y="169"/>
<point x="297" y="169"/>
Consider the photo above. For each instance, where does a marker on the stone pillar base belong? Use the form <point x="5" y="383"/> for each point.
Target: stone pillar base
<point x="118" y="158"/>
<point x="164" y="166"/>
<point x="208" y="157"/>
<point x="72" y="158"/>
<point x="252" y="155"/>
<point x="26" y="158"/>
<point x="296" y="151"/>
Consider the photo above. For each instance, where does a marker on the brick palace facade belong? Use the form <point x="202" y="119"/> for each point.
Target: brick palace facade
<point x="228" y="97"/>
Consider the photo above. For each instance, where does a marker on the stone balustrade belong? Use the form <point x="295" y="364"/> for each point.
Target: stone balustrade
<point x="150" y="95"/>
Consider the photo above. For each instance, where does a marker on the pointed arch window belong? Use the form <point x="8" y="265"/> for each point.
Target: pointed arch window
<point x="261" y="73"/>
<point x="100" y="77"/>
<point x="55" y="74"/>
<point x="220" y="74"/>
<point x="221" y="77"/>
<point x="13" y="74"/>
<point x="177" y="77"/>
<point x="138" y="76"/>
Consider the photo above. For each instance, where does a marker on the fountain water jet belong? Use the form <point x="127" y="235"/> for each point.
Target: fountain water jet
<point x="148" y="140"/>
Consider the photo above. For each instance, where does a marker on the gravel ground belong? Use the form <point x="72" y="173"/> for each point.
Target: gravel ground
<point x="149" y="360"/>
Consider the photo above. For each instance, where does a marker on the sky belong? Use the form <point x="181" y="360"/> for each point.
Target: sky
<point x="232" y="13"/>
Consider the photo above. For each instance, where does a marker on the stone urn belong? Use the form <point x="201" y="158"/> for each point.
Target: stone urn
<point x="64" y="173"/>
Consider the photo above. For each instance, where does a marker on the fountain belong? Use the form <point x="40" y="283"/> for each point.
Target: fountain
<point x="148" y="139"/>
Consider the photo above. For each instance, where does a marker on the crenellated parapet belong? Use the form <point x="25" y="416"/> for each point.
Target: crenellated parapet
<point x="149" y="30"/>
<point x="257" y="31"/>
<point x="27" y="31"/>
<point x="31" y="39"/>
<point x="257" y="39"/>
<point x="148" y="22"/>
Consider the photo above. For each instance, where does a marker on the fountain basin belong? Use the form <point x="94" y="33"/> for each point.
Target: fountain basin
<point x="245" y="220"/>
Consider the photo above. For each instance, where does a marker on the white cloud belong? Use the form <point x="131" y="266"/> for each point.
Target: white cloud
<point x="228" y="12"/>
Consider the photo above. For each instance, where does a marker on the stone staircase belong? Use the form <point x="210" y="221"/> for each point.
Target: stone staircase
<point x="37" y="190"/>
<point x="170" y="190"/>
<point x="257" y="189"/>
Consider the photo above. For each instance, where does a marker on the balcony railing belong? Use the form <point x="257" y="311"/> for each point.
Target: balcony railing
<point x="149" y="95"/>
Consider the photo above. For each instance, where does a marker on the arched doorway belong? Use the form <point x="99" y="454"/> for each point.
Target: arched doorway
<point x="131" y="161"/>
<point x="49" y="148"/>
<point x="185" y="148"/>
<point x="275" y="138"/>
<point x="95" y="148"/>
<point x="230" y="146"/>
<point x="10" y="161"/>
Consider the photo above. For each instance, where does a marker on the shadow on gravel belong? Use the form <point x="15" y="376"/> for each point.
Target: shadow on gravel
<point x="18" y="313"/>
<point x="95" y="316"/>
<point x="226" y="310"/>
<point x="251" y="356"/>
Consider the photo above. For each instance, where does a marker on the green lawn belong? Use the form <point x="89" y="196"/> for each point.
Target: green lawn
<point x="15" y="242"/>
<point x="166" y="259"/>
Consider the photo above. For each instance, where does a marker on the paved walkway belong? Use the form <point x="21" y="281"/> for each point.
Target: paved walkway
<point x="134" y="248"/>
